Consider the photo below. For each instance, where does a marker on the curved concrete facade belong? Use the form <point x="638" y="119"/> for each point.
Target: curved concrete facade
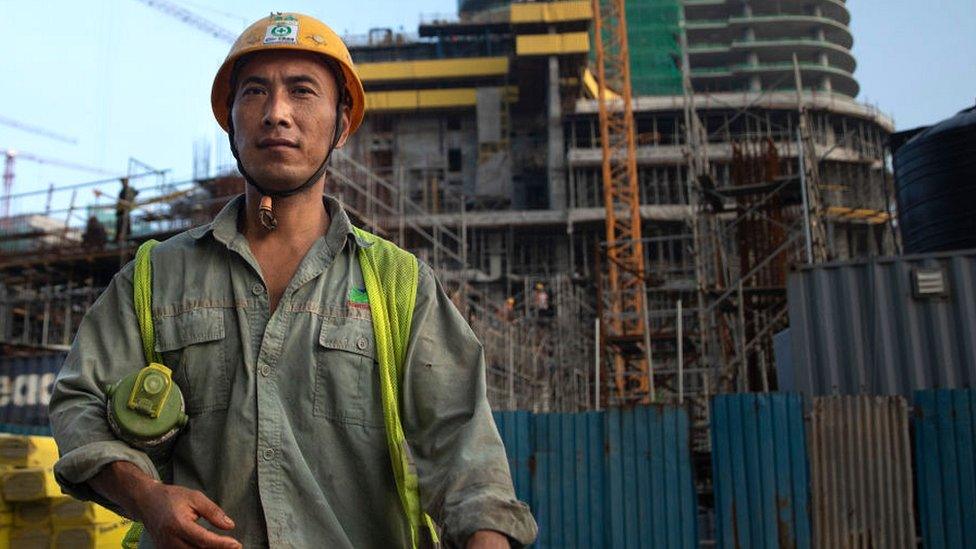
<point x="749" y="46"/>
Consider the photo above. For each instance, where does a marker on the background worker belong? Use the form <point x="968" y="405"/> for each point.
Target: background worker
<point x="123" y="210"/>
<point x="260" y="315"/>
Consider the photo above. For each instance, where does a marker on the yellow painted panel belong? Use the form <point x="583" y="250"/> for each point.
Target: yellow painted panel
<point x="27" y="451"/>
<point x="864" y="213"/>
<point x="552" y="44"/>
<point x="93" y="536"/>
<point x="409" y="100"/>
<point x="67" y="512"/>
<point x="551" y="12"/>
<point x="30" y="538"/>
<point x="593" y="87"/>
<point x="33" y="513"/>
<point x="447" y="98"/>
<point x="30" y="484"/>
<point x="429" y="69"/>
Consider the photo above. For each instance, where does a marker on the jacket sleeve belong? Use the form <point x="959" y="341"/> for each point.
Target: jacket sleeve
<point x="106" y="348"/>
<point x="465" y="483"/>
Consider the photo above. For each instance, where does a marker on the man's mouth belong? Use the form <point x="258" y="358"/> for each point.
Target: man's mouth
<point x="275" y="142"/>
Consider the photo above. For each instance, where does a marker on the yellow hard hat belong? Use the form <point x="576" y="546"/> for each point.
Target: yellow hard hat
<point x="289" y="31"/>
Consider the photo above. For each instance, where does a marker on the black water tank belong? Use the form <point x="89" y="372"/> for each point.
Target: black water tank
<point x="936" y="185"/>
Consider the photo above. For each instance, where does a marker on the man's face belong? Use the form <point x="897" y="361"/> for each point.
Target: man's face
<point x="284" y="116"/>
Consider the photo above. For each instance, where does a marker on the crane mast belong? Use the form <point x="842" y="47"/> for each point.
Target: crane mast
<point x="626" y="337"/>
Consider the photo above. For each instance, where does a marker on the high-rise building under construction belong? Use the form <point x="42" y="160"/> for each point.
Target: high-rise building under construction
<point x="489" y="119"/>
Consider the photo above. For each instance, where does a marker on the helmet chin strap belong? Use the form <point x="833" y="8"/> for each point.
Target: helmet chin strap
<point x="266" y="209"/>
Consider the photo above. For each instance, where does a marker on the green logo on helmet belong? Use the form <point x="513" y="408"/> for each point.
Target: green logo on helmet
<point x="282" y="30"/>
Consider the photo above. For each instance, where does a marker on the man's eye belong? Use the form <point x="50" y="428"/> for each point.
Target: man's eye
<point x="303" y="91"/>
<point x="251" y="91"/>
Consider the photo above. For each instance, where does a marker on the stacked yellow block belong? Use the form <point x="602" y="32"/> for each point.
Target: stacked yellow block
<point x="33" y="511"/>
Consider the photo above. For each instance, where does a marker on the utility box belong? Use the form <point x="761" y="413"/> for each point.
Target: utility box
<point x="884" y="326"/>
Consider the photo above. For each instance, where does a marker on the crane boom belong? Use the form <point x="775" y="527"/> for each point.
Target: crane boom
<point x="10" y="156"/>
<point x="626" y="338"/>
<point x="37" y="130"/>
<point x="10" y="153"/>
<point x="192" y="19"/>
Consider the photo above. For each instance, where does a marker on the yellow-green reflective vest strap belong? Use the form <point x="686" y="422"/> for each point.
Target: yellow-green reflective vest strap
<point x="131" y="539"/>
<point x="142" y="299"/>
<point x="391" y="277"/>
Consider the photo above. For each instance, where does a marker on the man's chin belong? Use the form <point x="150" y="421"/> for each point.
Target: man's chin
<point x="277" y="181"/>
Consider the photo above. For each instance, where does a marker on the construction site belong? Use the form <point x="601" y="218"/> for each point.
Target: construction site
<point x="670" y="207"/>
<point x="613" y="193"/>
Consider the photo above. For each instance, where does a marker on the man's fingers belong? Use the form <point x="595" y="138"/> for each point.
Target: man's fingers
<point x="198" y="536"/>
<point x="211" y="511"/>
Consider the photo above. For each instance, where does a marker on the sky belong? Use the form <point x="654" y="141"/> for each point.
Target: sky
<point x="124" y="80"/>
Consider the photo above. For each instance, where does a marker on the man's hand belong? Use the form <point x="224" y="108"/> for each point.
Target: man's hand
<point x="169" y="513"/>
<point x="487" y="539"/>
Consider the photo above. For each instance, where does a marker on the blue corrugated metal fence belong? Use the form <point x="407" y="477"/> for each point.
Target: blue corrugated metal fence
<point x="945" y="466"/>
<point x="760" y="476"/>
<point x="620" y="478"/>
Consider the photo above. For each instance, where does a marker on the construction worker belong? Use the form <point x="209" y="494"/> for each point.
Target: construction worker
<point x="123" y="210"/>
<point x="268" y="320"/>
<point x="541" y="299"/>
<point x="94" y="237"/>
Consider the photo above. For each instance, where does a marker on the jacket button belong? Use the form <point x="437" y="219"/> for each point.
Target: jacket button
<point x="265" y="370"/>
<point x="361" y="343"/>
<point x="257" y="289"/>
<point x="269" y="454"/>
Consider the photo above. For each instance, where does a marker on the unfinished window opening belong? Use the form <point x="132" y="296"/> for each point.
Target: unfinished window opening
<point x="454" y="160"/>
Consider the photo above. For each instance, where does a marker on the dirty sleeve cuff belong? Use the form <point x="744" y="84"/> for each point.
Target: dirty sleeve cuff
<point x="486" y="511"/>
<point x="77" y="467"/>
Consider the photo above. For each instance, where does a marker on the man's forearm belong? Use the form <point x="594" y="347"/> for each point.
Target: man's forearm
<point x="168" y="512"/>
<point x="122" y="482"/>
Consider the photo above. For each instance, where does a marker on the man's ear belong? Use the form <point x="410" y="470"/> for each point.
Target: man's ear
<point x="345" y="115"/>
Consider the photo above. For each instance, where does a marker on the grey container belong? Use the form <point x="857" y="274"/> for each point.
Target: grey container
<point x="886" y="326"/>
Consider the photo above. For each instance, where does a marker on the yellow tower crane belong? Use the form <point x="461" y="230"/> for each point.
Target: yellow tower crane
<point x="625" y="333"/>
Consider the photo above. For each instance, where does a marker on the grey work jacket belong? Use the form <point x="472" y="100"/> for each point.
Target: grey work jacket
<point x="286" y="425"/>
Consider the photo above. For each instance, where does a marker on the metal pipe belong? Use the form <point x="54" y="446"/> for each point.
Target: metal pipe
<point x="743" y="365"/>
<point x="647" y="342"/>
<point x="596" y="363"/>
<point x="681" y="356"/>
<point x="807" y="231"/>
<point x="511" y="370"/>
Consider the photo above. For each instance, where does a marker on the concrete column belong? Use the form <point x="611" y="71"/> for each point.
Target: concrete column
<point x="753" y="59"/>
<point x="556" y="155"/>
<point x="746" y="10"/>
<point x="826" y="84"/>
<point x="819" y="35"/>
<point x="749" y="35"/>
<point x="755" y="84"/>
<point x="496" y="254"/>
<point x="823" y="59"/>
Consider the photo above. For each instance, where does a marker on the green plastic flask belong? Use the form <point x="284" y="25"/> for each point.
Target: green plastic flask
<point x="146" y="408"/>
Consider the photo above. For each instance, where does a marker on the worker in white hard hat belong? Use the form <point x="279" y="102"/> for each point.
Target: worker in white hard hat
<point x="335" y="396"/>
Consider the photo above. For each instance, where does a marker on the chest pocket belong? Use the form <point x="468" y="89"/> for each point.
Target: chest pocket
<point x="192" y="344"/>
<point x="346" y="384"/>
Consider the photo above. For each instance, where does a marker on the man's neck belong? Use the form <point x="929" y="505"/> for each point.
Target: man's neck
<point x="302" y="218"/>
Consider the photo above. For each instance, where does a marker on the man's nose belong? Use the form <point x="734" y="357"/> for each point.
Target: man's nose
<point x="277" y="112"/>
